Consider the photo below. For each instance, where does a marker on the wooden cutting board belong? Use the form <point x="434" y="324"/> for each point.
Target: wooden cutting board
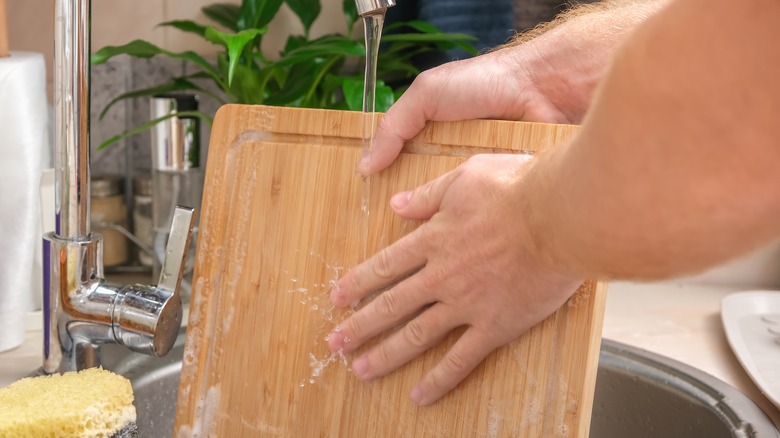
<point x="3" y="29"/>
<point x="281" y="219"/>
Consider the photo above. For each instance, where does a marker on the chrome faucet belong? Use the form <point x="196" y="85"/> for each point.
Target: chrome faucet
<point x="82" y="310"/>
<point x="373" y="7"/>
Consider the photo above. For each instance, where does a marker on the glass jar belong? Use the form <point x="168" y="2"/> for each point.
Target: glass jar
<point x="143" y="227"/>
<point x="176" y="175"/>
<point x="108" y="212"/>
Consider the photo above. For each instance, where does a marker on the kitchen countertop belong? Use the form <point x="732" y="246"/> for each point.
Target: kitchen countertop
<point x="677" y="320"/>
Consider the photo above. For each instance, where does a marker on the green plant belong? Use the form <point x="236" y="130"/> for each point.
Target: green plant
<point x="324" y="72"/>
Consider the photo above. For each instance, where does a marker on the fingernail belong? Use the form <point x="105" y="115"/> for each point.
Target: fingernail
<point x="335" y="340"/>
<point x="417" y="396"/>
<point x="336" y="294"/>
<point x="400" y="200"/>
<point x="360" y="367"/>
<point x="365" y="159"/>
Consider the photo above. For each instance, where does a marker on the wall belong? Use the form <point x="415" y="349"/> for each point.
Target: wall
<point x="115" y="22"/>
<point x="31" y="24"/>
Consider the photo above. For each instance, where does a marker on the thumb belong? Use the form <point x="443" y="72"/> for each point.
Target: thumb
<point x="424" y="201"/>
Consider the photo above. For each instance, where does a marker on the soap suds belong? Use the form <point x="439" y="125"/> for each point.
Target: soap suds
<point x="315" y="295"/>
<point x="494" y="420"/>
<point x="261" y="427"/>
<point x="205" y="415"/>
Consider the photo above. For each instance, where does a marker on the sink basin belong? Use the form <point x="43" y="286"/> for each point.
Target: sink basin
<point x="642" y="394"/>
<point x="638" y="394"/>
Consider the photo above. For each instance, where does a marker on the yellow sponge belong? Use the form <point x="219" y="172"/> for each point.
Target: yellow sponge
<point x="90" y="403"/>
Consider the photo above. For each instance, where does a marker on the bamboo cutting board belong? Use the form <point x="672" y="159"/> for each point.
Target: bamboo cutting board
<point x="282" y="219"/>
<point x="3" y="29"/>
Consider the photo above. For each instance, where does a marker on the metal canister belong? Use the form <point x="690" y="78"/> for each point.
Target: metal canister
<point x="176" y="175"/>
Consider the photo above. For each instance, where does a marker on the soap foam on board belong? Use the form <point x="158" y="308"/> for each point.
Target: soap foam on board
<point x="316" y="296"/>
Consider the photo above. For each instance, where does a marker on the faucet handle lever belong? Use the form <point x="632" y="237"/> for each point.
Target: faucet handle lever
<point x="176" y="251"/>
<point x="147" y="318"/>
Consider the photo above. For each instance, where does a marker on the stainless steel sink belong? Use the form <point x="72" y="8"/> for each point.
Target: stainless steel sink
<point x="638" y="394"/>
<point x="642" y="394"/>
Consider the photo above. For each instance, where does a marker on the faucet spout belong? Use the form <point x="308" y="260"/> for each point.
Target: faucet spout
<point x="82" y="310"/>
<point x="71" y="115"/>
<point x="373" y="7"/>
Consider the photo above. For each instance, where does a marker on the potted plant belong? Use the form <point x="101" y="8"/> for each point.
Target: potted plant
<point x="322" y="72"/>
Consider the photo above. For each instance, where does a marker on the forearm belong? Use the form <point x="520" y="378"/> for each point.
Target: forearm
<point x="675" y="167"/>
<point x="567" y="57"/>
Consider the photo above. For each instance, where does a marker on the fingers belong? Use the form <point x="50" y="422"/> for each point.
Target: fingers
<point x="402" y="122"/>
<point x="459" y="361"/>
<point x="424" y="201"/>
<point x="387" y="310"/>
<point x="404" y="256"/>
<point x="413" y="339"/>
<point x="381" y="270"/>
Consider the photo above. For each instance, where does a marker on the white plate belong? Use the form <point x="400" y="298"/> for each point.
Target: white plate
<point x="747" y="318"/>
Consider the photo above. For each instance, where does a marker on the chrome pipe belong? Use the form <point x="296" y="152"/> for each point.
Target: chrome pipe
<point x="81" y="310"/>
<point x="373" y="7"/>
<point x="71" y="116"/>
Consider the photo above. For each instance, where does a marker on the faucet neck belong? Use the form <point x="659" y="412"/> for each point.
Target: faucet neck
<point x="71" y="116"/>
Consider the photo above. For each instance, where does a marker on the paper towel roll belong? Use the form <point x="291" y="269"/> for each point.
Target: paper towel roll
<point x="23" y="137"/>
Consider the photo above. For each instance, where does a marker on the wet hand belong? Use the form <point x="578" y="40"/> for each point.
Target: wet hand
<point x="470" y="265"/>
<point x="496" y="85"/>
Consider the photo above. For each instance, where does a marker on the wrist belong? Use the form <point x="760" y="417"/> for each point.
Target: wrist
<point x="566" y="58"/>
<point x="535" y="209"/>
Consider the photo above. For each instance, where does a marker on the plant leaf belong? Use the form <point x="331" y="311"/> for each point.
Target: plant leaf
<point x="429" y="33"/>
<point x="294" y="42"/>
<point x="145" y="49"/>
<point x="428" y="37"/>
<point x="306" y="10"/>
<point x="396" y="67"/>
<point x="385" y="97"/>
<point x="186" y="26"/>
<point x="148" y="125"/>
<point x="177" y="84"/>
<point x="353" y="95"/>
<point x="257" y="13"/>
<point x="351" y="14"/>
<point x="443" y="40"/>
<point x="225" y="14"/>
<point x="248" y="84"/>
<point x="326" y="67"/>
<point x="418" y="25"/>
<point x="234" y="43"/>
<point x="326" y="46"/>
<point x="300" y="78"/>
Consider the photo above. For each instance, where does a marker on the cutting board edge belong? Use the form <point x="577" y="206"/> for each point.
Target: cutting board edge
<point x="504" y="134"/>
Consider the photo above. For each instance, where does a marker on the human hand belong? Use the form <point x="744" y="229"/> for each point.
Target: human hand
<point x="546" y="75"/>
<point x="474" y="268"/>
<point x="496" y="85"/>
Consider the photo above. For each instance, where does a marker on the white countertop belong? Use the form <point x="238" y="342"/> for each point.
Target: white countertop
<point x="680" y="321"/>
